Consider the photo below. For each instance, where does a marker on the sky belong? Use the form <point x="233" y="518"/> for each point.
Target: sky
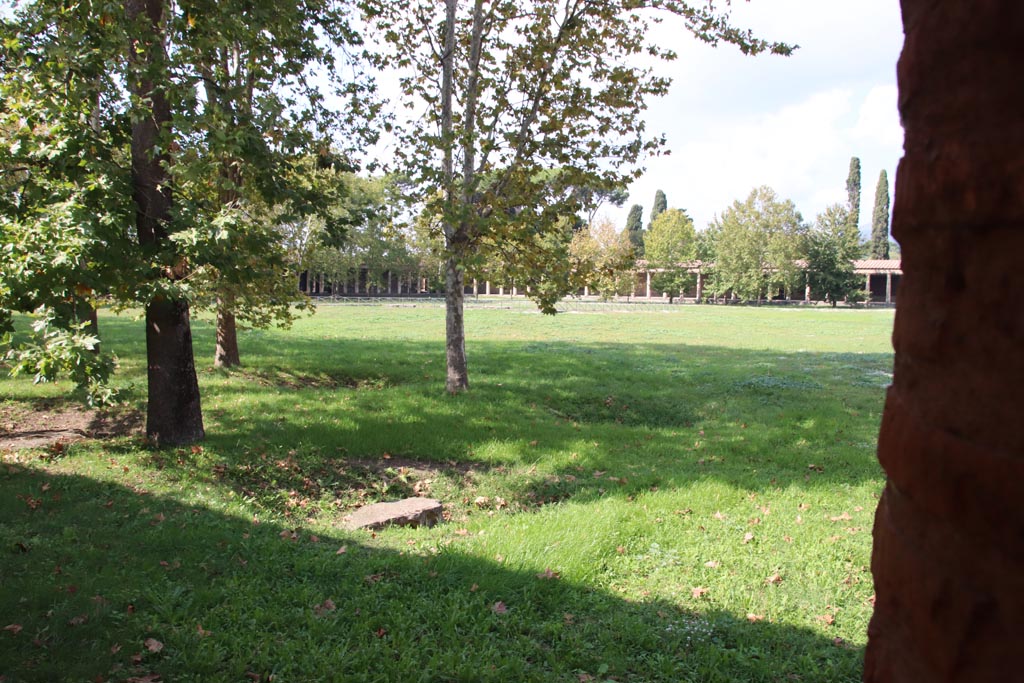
<point x="735" y="122"/>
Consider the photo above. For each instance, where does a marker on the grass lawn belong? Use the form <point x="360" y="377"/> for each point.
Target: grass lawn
<point x="683" y="496"/>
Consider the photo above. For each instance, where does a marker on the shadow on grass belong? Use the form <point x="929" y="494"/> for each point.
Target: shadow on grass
<point x="567" y="420"/>
<point x="104" y="581"/>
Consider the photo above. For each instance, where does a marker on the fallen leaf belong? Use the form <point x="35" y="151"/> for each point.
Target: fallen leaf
<point x="752" y="618"/>
<point x="747" y="538"/>
<point x="474" y="588"/>
<point x="599" y="473"/>
<point x="774" y="579"/>
<point x="803" y="506"/>
<point x="373" y="578"/>
<point x="827" y="619"/>
<point x="713" y="564"/>
<point x="153" y="645"/>
<point x="838" y="642"/>
<point x="462" y="532"/>
<point x="115" y="648"/>
<point x="548" y="574"/>
<point x="499" y="608"/>
<point x="568" y="619"/>
<point x="342" y="550"/>
<point x="326" y="606"/>
<point x="203" y="633"/>
<point x="620" y="550"/>
<point x="719" y="515"/>
<point x="700" y="592"/>
<point x="841" y="518"/>
<point x="78" y="621"/>
<point x="381" y="632"/>
<point x="314" y="539"/>
<point x="13" y="628"/>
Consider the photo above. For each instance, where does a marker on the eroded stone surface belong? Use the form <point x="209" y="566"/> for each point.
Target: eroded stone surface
<point x="407" y="512"/>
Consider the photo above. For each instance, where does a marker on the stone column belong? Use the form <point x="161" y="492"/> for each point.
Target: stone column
<point x="586" y="290"/>
<point x="888" y="288"/>
<point x="700" y="287"/>
<point x="948" y="558"/>
<point x="487" y="287"/>
<point x="648" y="274"/>
<point x="867" y="286"/>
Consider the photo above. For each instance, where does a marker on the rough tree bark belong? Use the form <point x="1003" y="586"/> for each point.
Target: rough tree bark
<point x="225" y="355"/>
<point x="174" y="415"/>
<point x="948" y="559"/>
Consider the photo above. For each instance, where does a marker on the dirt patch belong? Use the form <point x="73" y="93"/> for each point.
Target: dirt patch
<point x="43" y="423"/>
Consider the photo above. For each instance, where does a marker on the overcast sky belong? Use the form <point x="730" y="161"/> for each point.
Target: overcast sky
<point x="735" y="122"/>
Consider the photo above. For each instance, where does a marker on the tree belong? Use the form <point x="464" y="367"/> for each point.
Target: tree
<point x="880" y="219"/>
<point x="260" y="112"/>
<point x="757" y="245"/>
<point x="524" y="89"/>
<point x="853" y="192"/>
<point x="174" y="415"/>
<point x="64" y="241"/>
<point x="832" y="246"/>
<point x="152" y="142"/>
<point x="635" y="228"/>
<point x="602" y="259"/>
<point x="671" y="246"/>
<point x="660" y="204"/>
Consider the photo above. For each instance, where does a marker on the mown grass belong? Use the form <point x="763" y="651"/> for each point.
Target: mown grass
<point x="682" y="496"/>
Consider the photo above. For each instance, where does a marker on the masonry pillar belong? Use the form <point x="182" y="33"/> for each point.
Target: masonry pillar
<point x="948" y="557"/>
<point x="700" y="287"/>
<point x="648" y="290"/>
<point x="888" y="288"/>
<point x="487" y="288"/>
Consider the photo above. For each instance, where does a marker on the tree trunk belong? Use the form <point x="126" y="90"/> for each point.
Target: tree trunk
<point x="226" y="353"/>
<point x="948" y="556"/>
<point x="174" y="415"/>
<point x="455" y="330"/>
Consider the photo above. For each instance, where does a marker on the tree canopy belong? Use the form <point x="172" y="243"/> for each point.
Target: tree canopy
<point x="757" y="245"/>
<point x="853" y="193"/>
<point x="142" y="148"/>
<point x="671" y="245"/>
<point x="832" y="245"/>
<point x="880" y="219"/>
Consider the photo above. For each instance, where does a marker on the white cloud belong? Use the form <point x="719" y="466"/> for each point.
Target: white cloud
<point x="734" y="122"/>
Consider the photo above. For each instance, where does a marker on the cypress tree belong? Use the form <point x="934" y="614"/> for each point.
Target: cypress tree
<point x="635" y="228"/>
<point x="853" y="192"/>
<point x="660" y="204"/>
<point x="880" y="220"/>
